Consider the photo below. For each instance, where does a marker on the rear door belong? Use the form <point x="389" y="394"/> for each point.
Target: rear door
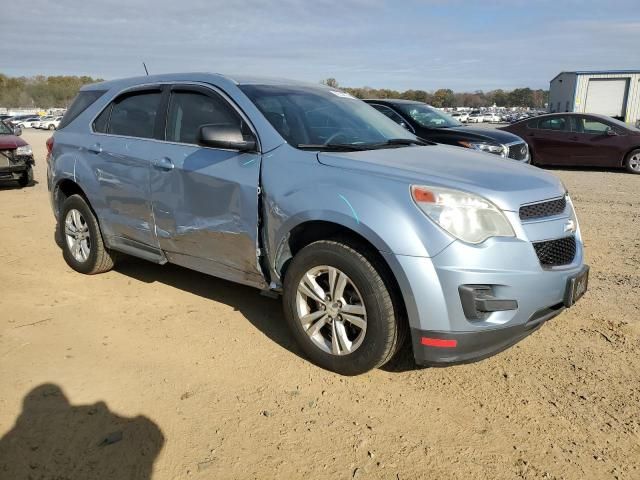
<point x="205" y="200"/>
<point x="593" y="145"/>
<point x="550" y="139"/>
<point x="119" y="155"/>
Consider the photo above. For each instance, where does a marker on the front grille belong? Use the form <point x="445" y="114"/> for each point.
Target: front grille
<point x="543" y="209"/>
<point x="554" y="253"/>
<point x="518" y="151"/>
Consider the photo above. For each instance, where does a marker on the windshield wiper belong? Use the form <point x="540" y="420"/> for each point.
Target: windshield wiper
<point x="335" y="147"/>
<point x="400" y="141"/>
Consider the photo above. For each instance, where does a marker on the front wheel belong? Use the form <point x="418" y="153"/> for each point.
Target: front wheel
<point x="27" y="178"/>
<point x="340" y="310"/>
<point x="51" y="127"/>
<point x="632" y="162"/>
<point x="82" y="245"/>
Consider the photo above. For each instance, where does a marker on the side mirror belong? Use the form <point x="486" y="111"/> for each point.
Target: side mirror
<point x="404" y="125"/>
<point x="17" y="131"/>
<point x="228" y="137"/>
<point x="610" y="132"/>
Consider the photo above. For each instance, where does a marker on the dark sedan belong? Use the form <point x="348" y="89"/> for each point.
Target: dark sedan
<point x="580" y="139"/>
<point x="431" y="124"/>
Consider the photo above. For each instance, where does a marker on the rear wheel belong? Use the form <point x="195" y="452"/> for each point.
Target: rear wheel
<point x="82" y="245"/>
<point x="632" y="162"/>
<point x="340" y="310"/>
<point x="51" y="127"/>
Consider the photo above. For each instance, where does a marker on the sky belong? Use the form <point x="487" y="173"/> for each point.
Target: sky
<point x="410" y="44"/>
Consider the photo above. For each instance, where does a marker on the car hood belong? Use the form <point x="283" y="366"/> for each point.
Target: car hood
<point x="506" y="183"/>
<point x="11" y="142"/>
<point x="498" y="136"/>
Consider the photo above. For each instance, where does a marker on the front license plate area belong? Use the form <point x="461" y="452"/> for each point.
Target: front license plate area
<point x="576" y="287"/>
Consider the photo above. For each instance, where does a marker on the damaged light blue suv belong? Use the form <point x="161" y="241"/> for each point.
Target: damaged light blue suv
<point x="368" y="233"/>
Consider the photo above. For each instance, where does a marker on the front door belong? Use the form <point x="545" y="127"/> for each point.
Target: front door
<point x="594" y="146"/>
<point x="205" y="200"/>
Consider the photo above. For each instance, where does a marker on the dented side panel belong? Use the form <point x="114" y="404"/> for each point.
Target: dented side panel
<point x="207" y="207"/>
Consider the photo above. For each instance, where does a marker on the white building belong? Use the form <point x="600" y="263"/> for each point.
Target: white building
<point x="615" y="93"/>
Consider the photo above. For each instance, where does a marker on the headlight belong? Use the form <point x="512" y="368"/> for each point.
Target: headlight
<point x="486" y="147"/>
<point x="466" y="216"/>
<point x="24" y="150"/>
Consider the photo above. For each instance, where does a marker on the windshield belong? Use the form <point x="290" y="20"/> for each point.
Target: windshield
<point x="427" y="116"/>
<point x="316" y="117"/>
<point x="4" y="130"/>
<point x="621" y="124"/>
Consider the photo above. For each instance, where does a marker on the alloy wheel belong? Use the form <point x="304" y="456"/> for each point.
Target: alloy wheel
<point x="331" y="310"/>
<point x="634" y="162"/>
<point x="77" y="235"/>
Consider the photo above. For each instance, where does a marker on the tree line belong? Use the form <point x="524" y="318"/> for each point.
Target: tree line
<point x="40" y="91"/>
<point x="58" y="92"/>
<point x="445" y="97"/>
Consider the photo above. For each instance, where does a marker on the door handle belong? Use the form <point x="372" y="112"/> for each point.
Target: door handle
<point x="163" y="163"/>
<point x="95" y="148"/>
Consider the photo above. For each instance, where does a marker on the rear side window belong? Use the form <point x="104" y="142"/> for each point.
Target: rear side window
<point x="133" y="115"/>
<point x="82" y="101"/>
<point x="556" y="123"/>
<point x="189" y="110"/>
<point x="389" y="113"/>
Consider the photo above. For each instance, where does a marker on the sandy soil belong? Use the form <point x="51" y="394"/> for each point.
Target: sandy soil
<point x="159" y="372"/>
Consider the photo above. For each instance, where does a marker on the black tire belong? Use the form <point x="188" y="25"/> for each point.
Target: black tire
<point x="632" y="161"/>
<point x="385" y="327"/>
<point x="51" y="127"/>
<point x="27" y="178"/>
<point x="99" y="259"/>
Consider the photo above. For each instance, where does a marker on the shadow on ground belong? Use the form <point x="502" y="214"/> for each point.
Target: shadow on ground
<point x="53" y="439"/>
<point x="264" y="313"/>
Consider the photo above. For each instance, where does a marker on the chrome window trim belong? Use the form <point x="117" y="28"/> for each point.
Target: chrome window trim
<point x="149" y="86"/>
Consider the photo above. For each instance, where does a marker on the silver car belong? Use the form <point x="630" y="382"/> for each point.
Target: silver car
<point x="369" y="234"/>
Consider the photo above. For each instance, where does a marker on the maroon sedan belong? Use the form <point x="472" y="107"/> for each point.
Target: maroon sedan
<point x="580" y="139"/>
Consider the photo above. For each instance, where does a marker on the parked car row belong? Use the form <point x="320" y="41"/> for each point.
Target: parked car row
<point x="49" y="122"/>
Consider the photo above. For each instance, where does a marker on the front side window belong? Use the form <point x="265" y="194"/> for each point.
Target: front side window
<point x="314" y="116"/>
<point x="134" y="114"/>
<point x="4" y="130"/>
<point x="555" y="123"/>
<point x="590" y="126"/>
<point x="189" y="110"/>
<point x="427" y="116"/>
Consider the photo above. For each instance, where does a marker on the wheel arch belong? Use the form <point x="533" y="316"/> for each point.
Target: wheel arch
<point x="306" y="232"/>
<point x="627" y="153"/>
<point x="63" y="190"/>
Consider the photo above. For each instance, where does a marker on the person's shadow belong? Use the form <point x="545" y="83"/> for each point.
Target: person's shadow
<point x="53" y="439"/>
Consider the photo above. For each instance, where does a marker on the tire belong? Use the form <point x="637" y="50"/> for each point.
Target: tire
<point x="27" y="178"/>
<point x="51" y="127"/>
<point x="632" y="161"/>
<point x="95" y="258"/>
<point x="384" y="323"/>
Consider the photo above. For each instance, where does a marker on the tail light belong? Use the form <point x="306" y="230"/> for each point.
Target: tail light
<point x="49" y="148"/>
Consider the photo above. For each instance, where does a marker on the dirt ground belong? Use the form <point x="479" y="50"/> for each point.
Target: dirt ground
<point x="160" y="372"/>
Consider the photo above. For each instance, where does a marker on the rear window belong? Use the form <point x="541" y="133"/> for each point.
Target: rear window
<point x="82" y="101"/>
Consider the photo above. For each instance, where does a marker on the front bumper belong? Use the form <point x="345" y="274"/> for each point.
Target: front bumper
<point x="438" y="349"/>
<point x="509" y="268"/>
<point x="16" y="169"/>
